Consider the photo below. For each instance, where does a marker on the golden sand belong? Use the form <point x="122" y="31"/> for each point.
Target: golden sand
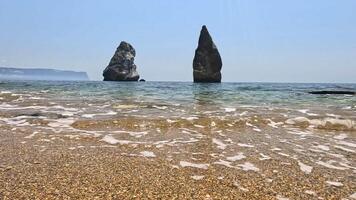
<point x="84" y="168"/>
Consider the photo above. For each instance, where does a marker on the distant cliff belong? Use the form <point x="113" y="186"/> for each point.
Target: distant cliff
<point x="41" y="74"/>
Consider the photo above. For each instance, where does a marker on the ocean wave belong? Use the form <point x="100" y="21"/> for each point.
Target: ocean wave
<point x="323" y="123"/>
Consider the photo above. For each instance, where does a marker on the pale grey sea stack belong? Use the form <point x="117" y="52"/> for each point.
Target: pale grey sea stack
<point x="122" y="66"/>
<point x="207" y="61"/>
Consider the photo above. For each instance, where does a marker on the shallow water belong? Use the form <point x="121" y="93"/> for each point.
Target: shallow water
<point x="237" y="126"/>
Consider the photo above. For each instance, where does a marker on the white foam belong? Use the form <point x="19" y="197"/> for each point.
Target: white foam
<point x="32" y="135"/>
<point x="245" y="145"/>
<point x="15" y="121"/>
<point x="126" y="106"/>
<point x="353" y="196"/>
<point x="332" y="115"/>
<point x="197" y="178"/>
<point x="305" y="168"/>
<point x="312" y="114"/>
<point x="268" y="180"/>
<point x="190" y="118"/>
<point x="160" y="107"/>
<point x="306" y="111"/>
<point x="36" y="98"/>
<point x="5" y="92"/>
<point x="110" y="139"/>
<point x="243" y="113"/>
<point x="121" y="142"/>
<point x="333" y="183"/>
<point x="148" y="154"/>
<point x="224" y="163"/>
<point x="130" y="154"/>
<point x="341" y="136"/>
<point x="199" y="126"/>
<point x="99" y="114"/>
<point x="236" y="184"/>
<point x="174" y="142"/>
<point x="230" y="109"/>
<point x="219" y="143"/>
<point x="5" y="106"/>
<point x="188" y="164"/>
<point x="347" y="144"/>
<point x="344" y="149"/>
<point x="247" y="166"/>
<point x="273" y="124"/>
<point x="257" y="129"/>
<point x="239" y="156"/>
<point x="303" y="111"/>
<point x="350" y="124"/>
<point x="61" y="123"/>
<point x="310" y="192"/>
<point x="323" y="147"/>
<point x="296" y="120"/>
<point x="189" y="131"/>
<point x="67" y="114"/>
<point x="171" y="121"/>
<point x="301" y="133"/>
<point x="134" y="134"/>
<point x="283" y="154"/>
<point x="329" y="165"/>
<point x="64" y="108"/>
<point x="88" y="115"/>
<point x="249" y="124"/>
<point x="45" y="140"/>
<point x="175" y="166"/>
<point x="264" y="157"/>
<point x="279" y="197"/>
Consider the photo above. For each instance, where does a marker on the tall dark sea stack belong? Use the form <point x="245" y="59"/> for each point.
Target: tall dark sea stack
<point x="207" y="61"/>
<point x="122" y="66"/>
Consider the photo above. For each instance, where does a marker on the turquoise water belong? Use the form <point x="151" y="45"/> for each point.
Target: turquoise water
<point x="182" y="100"/>
<point x="261" y="94"/>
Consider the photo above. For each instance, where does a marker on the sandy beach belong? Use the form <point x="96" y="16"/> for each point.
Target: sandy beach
<point x="48" y="166"/>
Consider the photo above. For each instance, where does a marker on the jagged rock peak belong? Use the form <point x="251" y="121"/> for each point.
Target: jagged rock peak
<point x="122" y="66"/>
<point x="207" y="62"/>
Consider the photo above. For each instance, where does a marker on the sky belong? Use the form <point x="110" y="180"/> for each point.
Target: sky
<point x="259" y="40"/>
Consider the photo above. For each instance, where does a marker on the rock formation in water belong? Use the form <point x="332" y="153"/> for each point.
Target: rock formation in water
<point x="122" y="66"/>
<point x="207" y="61"/>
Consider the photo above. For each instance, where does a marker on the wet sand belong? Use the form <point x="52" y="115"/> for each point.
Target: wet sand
<point x="70" y="167"/>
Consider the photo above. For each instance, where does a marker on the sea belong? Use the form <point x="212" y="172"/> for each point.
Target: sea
<point x="239" y="126"/>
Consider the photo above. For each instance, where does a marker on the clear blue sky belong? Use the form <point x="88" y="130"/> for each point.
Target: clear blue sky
<point x="259" y="40"/>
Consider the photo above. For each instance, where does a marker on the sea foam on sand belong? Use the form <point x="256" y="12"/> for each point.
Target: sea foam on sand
<point x="110" y="139"/>
<point x="239" y="156"/>
<point x="188" y="164"/>
<point x="305" y="168"/>
<point x="148" y="154"/>
<point x="247" y="166"/>
<point x="219" y="143"/>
